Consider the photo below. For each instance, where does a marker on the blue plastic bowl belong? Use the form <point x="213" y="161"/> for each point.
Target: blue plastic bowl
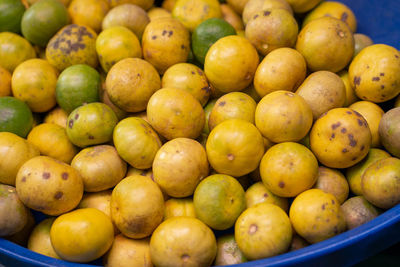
<point x="380" y="19"/>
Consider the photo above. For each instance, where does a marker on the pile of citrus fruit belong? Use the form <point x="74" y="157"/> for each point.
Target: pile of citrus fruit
<point x="191" y="132"/>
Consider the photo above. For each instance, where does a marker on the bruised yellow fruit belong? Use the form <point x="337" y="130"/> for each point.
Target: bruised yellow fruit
<point x="165" y="42"/>
<point x="283" y="116"/>
<point x="340" y="138"/>
<point x="34" y="82"/>
<point x="116" y="43"/>
<point x="175" y="113"/>
<point x="39" y="240"/>
<point x="193" y="12"/>
<point x="288" y="168"/>
<point x="234" y="105"/>
<point x="230" y="16"/>
<point x="183" y="241"/>
<point x="316" y="215"/>
<point x="282" y="62"/>
<point x="60" y="184"/>
<point x="258" y="193"/>
<point x="179" y="166"/>
<point x="73" y="44"/>
<point x="75" y="235"/>
<point x="131" y="82"/>
<point x="88" y="12"/>
<point x="332" y="181"/>
<point x="126" y="252"/>
<point x="14" y="151"/>
<point x="48" y="136"/>
<point x="357" y="211"/>
<point x="137" y="206"/>
<point x="231" y="63"/>
<point x="175" y="207"/>
<point x="235" y="147"/>
<point x="263" y="230"/>
<point x="374" y="73"/>
<point x="322" y="90"/>
<point x="254" y="6"/>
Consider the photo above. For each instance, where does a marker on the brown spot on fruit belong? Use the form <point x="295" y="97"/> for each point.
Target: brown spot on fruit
<point x="170" y="33"/>
<point x="381" y="74"/>
<point x="360" y="122"/>
<point x="349" y="112"/>
<point x="332" y="136"/>
<point x="154" y="37"/>
<point x="91" y="137"/>
<point x="353" y="159"/>
<point x="231" y="157"/>
<point x="266" y="13"/>
<point x="23" y="179"/>
<point x="335" y="125"/>
<point x="64" y="176"/>
<point x="253" y="229"/>
<point x="323" y="206"/>
<point x="255" y="16"/>
<point x="265" y="195"/>
<point x="70" y="123"/>
<point x="333" y="201"/>
<point x="358" y="114"/>
<point x="382" y="86"/>
<point x="344" y="150"/>
<point x="357" y="80"/>
<point x="46" y="175"/>
<point x="76" y="116"/>
<point x="344" y="16"/>
<point x="183" y="46"/>
<point x="343" y="130"/>
<point x="164" y="32"/>
<point x="193" y="72"/>
<point x="281" y="184"/>
<point x="375" y="79"/>
<point x="352" y="141"/>
<point x="185" y="257"/>
<point x="222" y="103"/>
<point x="58" y="195"/>
<point x="362" y="148"/>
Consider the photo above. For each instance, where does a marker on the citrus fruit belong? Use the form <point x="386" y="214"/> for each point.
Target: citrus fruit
<point x="332" y="181"/>
<point x="77" y="85"/>
<point x="254" y="6"/>
<point x="228" y="252"/>
<point x="14" y="50"/>
<point x="302" y="6"/>
<point x="230" y="16"/>
<point x="57" y="116"/>
<point x="259" y="193"/>
<point x="218" y="201"/>
<point x="11" y="13"/>
<point x="357" y="211"/>
<point x="5" y="82"/>
<point x="16" y="117"/>
<point x="175" y="207"/>
<point x="39" y="240"/>
<point x="42" y="20"/>
<point x="207" y="33"/>
<point x="88" y="12"/>
<point x="145" y="4"/>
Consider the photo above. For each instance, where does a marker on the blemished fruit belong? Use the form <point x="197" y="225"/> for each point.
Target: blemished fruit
<point x="14" y="49"/>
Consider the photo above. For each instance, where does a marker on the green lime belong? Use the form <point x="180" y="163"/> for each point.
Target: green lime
<point x="207" y="33"/>
<point x="77" y="85"/>
<point x="15" y="116"/>
<point x="11" y="12"/>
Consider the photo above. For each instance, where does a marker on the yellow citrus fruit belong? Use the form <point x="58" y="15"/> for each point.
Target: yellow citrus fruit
<point x="88" y="12"/>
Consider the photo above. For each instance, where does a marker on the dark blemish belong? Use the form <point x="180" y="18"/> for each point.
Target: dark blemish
<point x="396" y="56"/>
<point x="252" y="229"/>
<point x="170" y="33"/>
<point x="335" y="229"/>
<point x="323" y="206"/>
<point x="256" y="16"/>
<point x="266" y="13"/>
<point x="138" y="75"/>
<point x="64" y="176"/>
<point x="353" y="159"/>
<point x="265" y="195"/>
<point x="333" y="201"/>
<point x="332" y="136"/>
<point x="344" y="150"/>
<point x="164" y="32"/>
<point x="367" y="66"/>
<point x="154" y="37"/>
<point x="142" y="156"/>
<point x="222" y="103"/>
<point x="349" y="112"/>
<point x="383" y="95"/>
<point x="358" y="114"/>
<point x="362" y="148"/>
<point x="207" y="89"/>
<point x="327" y="220"/>
<point x="331" y="100"/>
<point x="357" y="80"/>
<point x="281" y="184"/>
<point x="23" y="179"/>
<point x="231" y="156"/>
<point x="46" y="175"/>
<point x="58" y="195"/>
<point x="343" y="130"/>
<point x="381" y="74"/>
<point x="193" y="72"/>
<point x="199" y="72"/>
<point x="143" y="173"/>
<point x="76" y="116"/>
<point x="71" y="123"/>
<point x="185" y="257"/>
<point x="382" y="86"/>
<point x="183" y="46"/>
<point x="75" y="46"/>
<point x="360" y="122"/>
<point x="335" y="125"/>
<point x="344" y="16"/>
<point x="375" y="79"/>
<point x="353" y="142"/>
<point x="232" y="200"/>
<point x="91" y="137"/>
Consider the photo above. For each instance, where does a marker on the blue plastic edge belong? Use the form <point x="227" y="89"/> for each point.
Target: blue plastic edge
<point x="344" y="249"/>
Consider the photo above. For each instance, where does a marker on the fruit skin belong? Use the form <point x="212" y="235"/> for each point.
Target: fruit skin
<point x="14" y="214"/>
<point x="316" y="215"/>
<point x="137" y="206"/>
<point x="175" y="113"/>
<point x="350" y="93"/>
<point x="165" y="42"/>
<point x="14" y="50"/>
<point x="100" y="167"/>
<point x="326" y="43"/>
<point x="145" y="4"/>
<point x="179" y="165"/>
<point x="374" y="73"/>
<point x="60" y="184"/>
<point x="48" y="136"/>
<point x="357" y="211"/>
<point x="389" y="131"/>
<point x="116" y="43"/>
<point x="360" y="42"/>
<point x="175" y="207"/>
<point x="75" y="235"/>
<point x="379" y="183"/>
<point x="288" y="168"/>
<point x="39" y="240"/>
<point x="77" y="85"/>
<point x="231" y="63"/>
<point x="73" y="44"/>
<point x="253" y="6"/>
<point x="207" y="33"/>
<point x="127" y="252"/>
<point x="340" y="138"/>
<point x="218" y="201"/>
<point x="131" y="82"/>
<point x="302" y="6"/>
<point x="234" y="147"/>
<point x="258" y="193"/>
<point x="5" y="82"/>
<point x="230" y="16"/>
<point x="14" y="151"/>
<point x="57" y="116"/>
<point x="91" y="124"/>
<point x="183" y="241"/>
<point x="16" y="117"/>
<point x="228" y="251"/>
<point x="332" y="181"/>
<point x="283" y="116"/>
<point x="88" y="12"/>
<point x="42" y="20"/>
<point x="354" y="173"/>
<point x="136" y="142"/>
<point x="11" y="13"/>
<point x="262" y="231"/>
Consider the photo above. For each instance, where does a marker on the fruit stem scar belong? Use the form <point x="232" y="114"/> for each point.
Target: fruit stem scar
<point x="253" y="229"/>
<point x="231" y="157"/>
